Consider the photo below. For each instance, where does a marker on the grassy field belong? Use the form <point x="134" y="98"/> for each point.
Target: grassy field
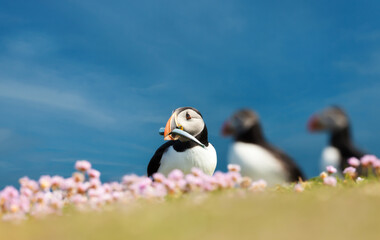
<point x="318" y="213"/>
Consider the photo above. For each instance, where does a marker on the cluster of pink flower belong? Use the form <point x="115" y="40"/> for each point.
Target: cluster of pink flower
<point x="368" y="163"/>
<point x="85" y="191"/>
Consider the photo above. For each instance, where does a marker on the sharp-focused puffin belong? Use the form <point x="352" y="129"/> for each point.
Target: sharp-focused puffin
<point x="188" y="146"/>
<point x="335" y="121"/>
<point x="257" y="158"/>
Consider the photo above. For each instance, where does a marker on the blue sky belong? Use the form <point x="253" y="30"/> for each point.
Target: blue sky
<point x="95" y="80"/>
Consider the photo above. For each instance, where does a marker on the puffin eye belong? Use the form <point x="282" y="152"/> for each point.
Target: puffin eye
<point x="188" y="117"/>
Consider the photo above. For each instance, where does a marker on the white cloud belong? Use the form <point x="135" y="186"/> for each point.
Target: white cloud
<point x="54" y="98"/>
<point x="369" y="67"/>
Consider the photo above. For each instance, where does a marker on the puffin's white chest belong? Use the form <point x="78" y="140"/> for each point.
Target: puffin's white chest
<point x="202" y="158"/>
<point x="257" y="163"/>
<point x="330" y="157"/>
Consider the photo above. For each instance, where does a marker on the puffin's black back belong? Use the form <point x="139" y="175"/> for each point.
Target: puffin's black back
<point x="255" y="135"/>
<point x="155" y="161"/>
<point x="341" y="139"/>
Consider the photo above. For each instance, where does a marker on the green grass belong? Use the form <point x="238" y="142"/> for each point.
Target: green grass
<point x="351" y="212"/>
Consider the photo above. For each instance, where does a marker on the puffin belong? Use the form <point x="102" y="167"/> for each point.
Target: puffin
<point x="341" y="147"/>
<point x="187" y="145"/>
<point x="257" y="158"/>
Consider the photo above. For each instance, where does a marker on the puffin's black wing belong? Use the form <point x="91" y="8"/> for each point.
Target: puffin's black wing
<point x="294" y="171"/>
<point x="155" y="161"/>
<point x="349" y="152"/>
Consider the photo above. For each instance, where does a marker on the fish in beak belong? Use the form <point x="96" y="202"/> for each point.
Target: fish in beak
<point x="173" y="131"/>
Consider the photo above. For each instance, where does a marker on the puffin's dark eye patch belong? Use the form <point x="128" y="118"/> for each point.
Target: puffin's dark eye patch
<point x="188" y="117"/>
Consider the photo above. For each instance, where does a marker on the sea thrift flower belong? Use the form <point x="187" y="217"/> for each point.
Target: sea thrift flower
<point x="234" y="177"/>
<point x="354" y="162"/>
<point x="350" y="171"/>
<point x="92" y="173"/>
<point x="175" y="175"/>
<point x="68" y="184"/>
<point x="94" y="183"/>
<point x="330" y="181"/>
<point x="233" y="168"/>
<point x="26" y="192"/>
<point x="45" y="182"/>
<point x="82" y="165"/>
<point x="368" y="160"/>
<point x="159" y="177"/>
<point x="258" y="186"/>
<point x="129" y="179"/>
<point x="376" y="164"/>
<point x="331" y="169"/>
<point x="78" y="177"/>
<point x="197" y="172"/>
<point x="57" y="182"/>
<point x="323" y="175"/>
<point x="298" y="187"/>
<point x="245" y="182"/>
<point x="82" y="187"/>
<point x="359" y="180"/>
<point x="23" y="181"/>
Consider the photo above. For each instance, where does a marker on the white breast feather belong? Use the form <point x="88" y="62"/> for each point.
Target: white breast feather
<point x="257" y="163"/>
<point x="330" y="157"/>
<point x="202" y="158"/>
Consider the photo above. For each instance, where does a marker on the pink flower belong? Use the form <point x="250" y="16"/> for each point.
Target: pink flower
<point x="330" y="181"/>
<point x="82" y="187"/>
<point x="197" y="172"/>
<point x="57" y="182"/>
<point x="245" y="182"/>
<point x="175" y="175"/>
<point x="376" y="164"/>
<point x="258" y="186"/>
<point x="159" y="177"/>
<point x="78" y="177"/>
<point x="92" y="173"/>
<point x="298" y="187"/>
<point x="130" y="179"/>
<point x="45" y="182"/>
<point x="82" y="165"/>
<point x="233" y="168"/>
<point x="349" y="170"/>
<point x="354" y="162"/>
<point x="95" y="183"/>
<point x="331" y="169"/>
<point x="26" y="192"/>
<point x="368" y="160"/>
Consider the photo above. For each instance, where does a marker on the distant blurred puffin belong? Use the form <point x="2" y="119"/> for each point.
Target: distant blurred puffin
<point x="341" y="147"/>
<point x="257" y="158"/>
<point x="187" y="147"/>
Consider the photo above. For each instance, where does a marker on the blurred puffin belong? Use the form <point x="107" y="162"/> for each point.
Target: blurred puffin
<point x="257" y="158"/>
<point x="187" y="147"/>
<point x="341" y="147"/>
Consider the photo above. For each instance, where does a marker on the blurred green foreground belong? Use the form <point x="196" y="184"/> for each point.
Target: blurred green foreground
<point x="317" y="213"/>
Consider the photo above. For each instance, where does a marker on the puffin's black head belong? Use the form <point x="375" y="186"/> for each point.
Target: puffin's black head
<point x="187" y="119"/>
<point x="331" y="119"/>
<point x="240" y="122"/>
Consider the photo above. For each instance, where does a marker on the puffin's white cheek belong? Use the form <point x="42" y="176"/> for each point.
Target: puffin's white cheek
<point x="195" y="127"/>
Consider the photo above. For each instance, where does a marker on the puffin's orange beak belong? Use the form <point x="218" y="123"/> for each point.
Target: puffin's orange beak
<point x="168" y="128"/>
<point x="226" y="129"/>
<point x="314" y="125"/>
